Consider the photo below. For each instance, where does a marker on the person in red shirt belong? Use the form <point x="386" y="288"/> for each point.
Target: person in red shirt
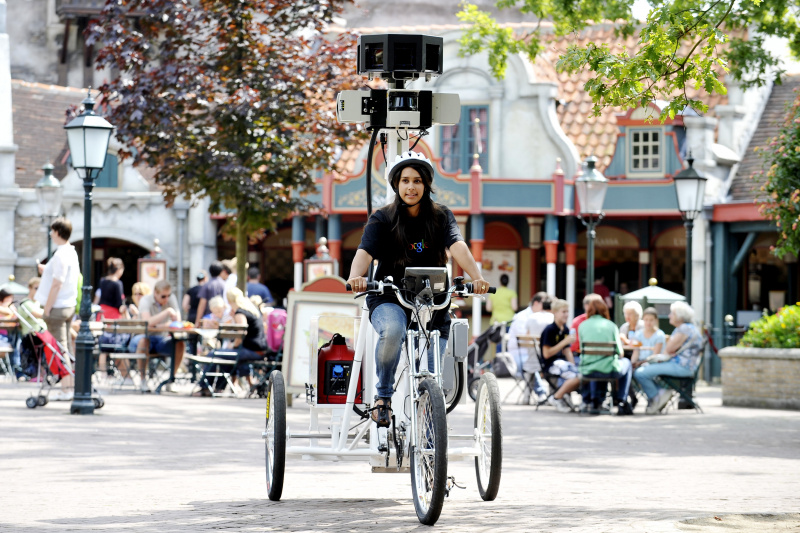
<point x="601" y="289"/>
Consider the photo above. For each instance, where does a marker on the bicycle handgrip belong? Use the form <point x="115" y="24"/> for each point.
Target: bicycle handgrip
<point x="371" y="286"/>
<point x="491" y="290"/>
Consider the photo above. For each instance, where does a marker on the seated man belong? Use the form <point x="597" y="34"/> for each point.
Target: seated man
<point x="159" y="309"/>
<point x="557" y="356"/>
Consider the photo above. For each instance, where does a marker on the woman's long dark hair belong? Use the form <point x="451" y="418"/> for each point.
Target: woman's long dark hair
<point x="429" y="212"/>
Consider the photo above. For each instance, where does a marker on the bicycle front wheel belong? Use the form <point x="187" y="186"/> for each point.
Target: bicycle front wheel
<point x="429" y="457"/>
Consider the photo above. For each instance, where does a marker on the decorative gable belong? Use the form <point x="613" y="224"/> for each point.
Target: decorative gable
<point x="646" y="148"/>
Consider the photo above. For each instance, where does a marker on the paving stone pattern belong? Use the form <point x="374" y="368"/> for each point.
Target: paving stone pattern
<point x="175" y="463"/>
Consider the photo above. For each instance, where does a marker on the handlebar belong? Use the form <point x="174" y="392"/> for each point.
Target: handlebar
<point x="373" y="286"/>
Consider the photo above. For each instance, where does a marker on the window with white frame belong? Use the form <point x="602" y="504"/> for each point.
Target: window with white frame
<point x="459" y="141"/>
<point x="645" y="146"/>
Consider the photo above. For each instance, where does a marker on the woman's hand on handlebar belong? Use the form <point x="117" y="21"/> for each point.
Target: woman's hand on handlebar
<point x="357" y="284"/>
<point x="480" y="286"/>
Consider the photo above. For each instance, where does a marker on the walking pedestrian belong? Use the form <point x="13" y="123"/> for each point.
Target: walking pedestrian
<point x="58" y="293"/>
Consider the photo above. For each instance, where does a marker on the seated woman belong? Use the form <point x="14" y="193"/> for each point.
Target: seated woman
<point x="684" y="347"/>
<point x="598" y="328"/>
<point x="253" y="346"/>
<point x="633" y="321"/>
<point x="649" y="340"/>
<point x="558" y="359"/>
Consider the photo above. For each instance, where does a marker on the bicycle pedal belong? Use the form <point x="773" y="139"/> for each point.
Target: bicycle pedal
<point x="451" y="482"/>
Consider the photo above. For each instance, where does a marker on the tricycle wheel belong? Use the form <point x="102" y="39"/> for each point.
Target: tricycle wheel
<point x="489" y="429"/>
<point x="31" y="402"/>
<point x="41" y="401"/>
<point x="429" y="455"/>
<point x="275" y="441"/>
<point x="472" y="388"/>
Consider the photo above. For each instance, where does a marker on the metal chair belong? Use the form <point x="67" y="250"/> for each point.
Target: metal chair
<point x="683" y="386"/>
<point x="113" y="347"/>
<point x="522" y="383"/>
<point x="216" y="372"/>
<point x="597" y="349"/>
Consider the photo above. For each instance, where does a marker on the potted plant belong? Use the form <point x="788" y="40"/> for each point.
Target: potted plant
<point x="763" y="370"/>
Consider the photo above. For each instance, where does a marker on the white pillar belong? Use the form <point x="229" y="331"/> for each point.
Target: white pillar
<point x="551" y="279"/>
<point x="571" y="290"/>
<point x="476" y="312"/>
<point x="9" y="192"/>
<point x="298" y="276"/>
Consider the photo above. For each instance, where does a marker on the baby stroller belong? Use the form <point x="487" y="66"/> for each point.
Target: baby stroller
<point x="51" y="361"/>
<point x="476" y="366"/>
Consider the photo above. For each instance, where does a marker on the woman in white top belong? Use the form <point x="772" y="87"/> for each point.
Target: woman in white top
<point x="633" y="321"/>
<point x="650" y="339"/>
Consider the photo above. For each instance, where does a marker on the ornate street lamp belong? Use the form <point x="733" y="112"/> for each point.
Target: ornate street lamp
<point x="591" y="189"/>
<point x="690" y="186"/>
<point x="88" y="136"/>
<point x="49" y="191"/>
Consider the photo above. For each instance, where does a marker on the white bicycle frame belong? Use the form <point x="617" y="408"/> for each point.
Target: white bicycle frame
<point x="352" y="446"/>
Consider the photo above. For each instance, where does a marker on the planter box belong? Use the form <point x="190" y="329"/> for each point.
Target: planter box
<point x="761" y="377"/>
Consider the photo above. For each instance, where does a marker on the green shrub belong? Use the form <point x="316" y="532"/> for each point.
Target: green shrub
<point x="781" y="330"/>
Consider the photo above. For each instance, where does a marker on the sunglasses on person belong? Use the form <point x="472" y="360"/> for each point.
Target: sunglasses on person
<point x="138" y="294"/>
<point x="164" y="296"/>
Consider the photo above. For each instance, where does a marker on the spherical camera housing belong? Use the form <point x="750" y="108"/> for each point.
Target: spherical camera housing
<point x="400" y="56"/>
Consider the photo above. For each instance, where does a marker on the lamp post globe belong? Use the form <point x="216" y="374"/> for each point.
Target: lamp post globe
<point x="690" y="188"/>
<point x="88" y="136"/>
<point x="49" y="192"/>
<point x="591" y="187"/>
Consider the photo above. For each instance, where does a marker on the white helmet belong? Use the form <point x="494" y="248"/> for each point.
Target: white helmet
<point x="421" y="163"/>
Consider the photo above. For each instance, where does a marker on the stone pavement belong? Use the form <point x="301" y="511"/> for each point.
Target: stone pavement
<point x="175" y="463"/>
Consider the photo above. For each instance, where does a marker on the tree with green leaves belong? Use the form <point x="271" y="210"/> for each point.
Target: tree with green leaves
<point x="781" y="181"/>
<point x="683" y="44"/>
<point x="233" y="101"/>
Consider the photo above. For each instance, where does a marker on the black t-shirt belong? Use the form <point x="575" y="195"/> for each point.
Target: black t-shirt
<point x="254" y="339"/>
<point x="379" y="242"/>
<point x="111" y="293"/>
<point x="194" y="301"/>
<point x="551" y="336"/>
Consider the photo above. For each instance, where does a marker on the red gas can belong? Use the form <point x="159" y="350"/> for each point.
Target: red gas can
<point x="334" y="363"/>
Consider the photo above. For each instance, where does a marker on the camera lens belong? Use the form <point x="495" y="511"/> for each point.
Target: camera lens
<point x="403" y="102"/>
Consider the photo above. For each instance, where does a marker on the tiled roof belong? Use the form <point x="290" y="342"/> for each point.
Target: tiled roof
<point x="745" y="186"/>
<point x="591" y="135"/>
<point x="39" y="114"/>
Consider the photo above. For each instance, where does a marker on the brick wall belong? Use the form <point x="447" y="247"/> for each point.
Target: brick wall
<point x="29" y="236"/>
<point x="753" y="377"/>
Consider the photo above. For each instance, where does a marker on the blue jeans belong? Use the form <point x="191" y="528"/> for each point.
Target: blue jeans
<point x="389" y="320"/>
<point x="644" y="375"/>
<point x="623" y="378"/>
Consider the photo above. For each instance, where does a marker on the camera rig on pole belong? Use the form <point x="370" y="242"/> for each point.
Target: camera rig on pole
<point x="398" y="59"/>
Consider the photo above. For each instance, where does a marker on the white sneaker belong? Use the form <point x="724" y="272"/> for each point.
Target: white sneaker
<point x="663" y="398"/>
<point x="62" y="396"/>
<point x="560" y="404"/>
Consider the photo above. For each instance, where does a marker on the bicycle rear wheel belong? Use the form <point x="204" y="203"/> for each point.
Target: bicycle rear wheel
<point x="275" y="441"/>
<point x="429" y="458"/>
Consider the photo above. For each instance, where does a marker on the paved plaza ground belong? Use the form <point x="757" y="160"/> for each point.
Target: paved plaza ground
<point x="176" y="463"/>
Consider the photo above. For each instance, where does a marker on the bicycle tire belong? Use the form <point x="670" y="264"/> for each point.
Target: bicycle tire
<point x="489" y="429"/>
<point x="455" y="398"/>
<point x="275" y="443"/>
<point x="428" y="460"/>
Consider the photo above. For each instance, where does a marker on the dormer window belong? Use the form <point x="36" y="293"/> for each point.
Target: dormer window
<point x="458" y="142"/>
<point x="645" y="150"/>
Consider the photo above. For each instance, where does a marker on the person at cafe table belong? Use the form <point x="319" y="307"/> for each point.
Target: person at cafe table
<point x="159" y="310"/>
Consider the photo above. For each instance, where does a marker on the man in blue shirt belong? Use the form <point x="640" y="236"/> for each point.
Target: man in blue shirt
<point x="256" y="288"/>
<point x="215" y="287"/>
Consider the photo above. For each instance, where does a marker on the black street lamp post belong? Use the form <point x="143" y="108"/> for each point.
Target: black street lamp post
<point x="88" y="136"/>
<point x="48" y="192"/>
<point x="690" y="187"/>
<point x="591" y="189"/>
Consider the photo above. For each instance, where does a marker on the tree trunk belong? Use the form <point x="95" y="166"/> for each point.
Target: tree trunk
<point x="241" y="255"/>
